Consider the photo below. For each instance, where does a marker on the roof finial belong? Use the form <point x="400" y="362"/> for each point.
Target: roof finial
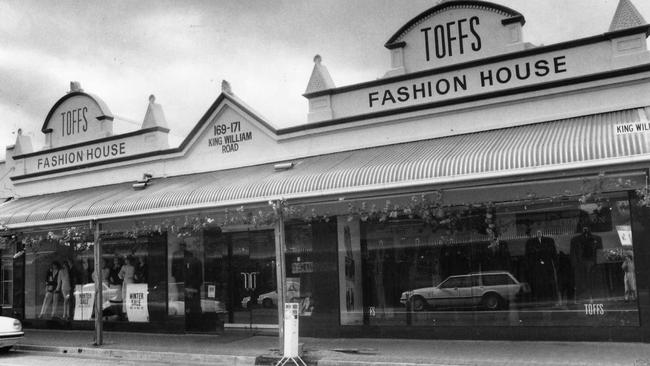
<point x="75" y="86"/>
<point x="225" y="87"/>
<point x="320" y="78"/>
<point x="154" y="116"/>
<point x="626" y="16"/>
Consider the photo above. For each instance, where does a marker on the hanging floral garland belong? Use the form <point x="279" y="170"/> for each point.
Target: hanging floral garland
<point x="428" y="207"/>
<point x="78" y="238"/>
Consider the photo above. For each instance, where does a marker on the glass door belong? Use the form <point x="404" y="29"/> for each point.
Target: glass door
<point x="240" y="273"/>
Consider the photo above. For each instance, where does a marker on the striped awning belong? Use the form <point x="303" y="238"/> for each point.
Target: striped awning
<point x="588" y="141"/>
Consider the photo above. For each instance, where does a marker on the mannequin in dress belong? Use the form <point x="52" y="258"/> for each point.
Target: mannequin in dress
<point x="126" y="275"/>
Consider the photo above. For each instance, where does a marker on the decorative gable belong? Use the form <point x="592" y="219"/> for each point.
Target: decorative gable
<point x="453" y="32"/>
<point x="76" y="118"/>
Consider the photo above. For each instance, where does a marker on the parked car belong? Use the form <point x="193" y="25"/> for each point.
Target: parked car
<point x="490" y="290"/>
<point x="11" y="332"/>
<point x="267" y="300"/>
<point x="177" y="307"/>
<point x="176" y="301"/>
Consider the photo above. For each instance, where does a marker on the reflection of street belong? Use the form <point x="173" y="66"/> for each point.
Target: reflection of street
<point x="259" y="315"/>
<point x="177" y="303"/>
<point x="604" y="312"/>
<point x="177" y="307"/>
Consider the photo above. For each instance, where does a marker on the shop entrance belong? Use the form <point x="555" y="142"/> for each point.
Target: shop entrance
<point x="240" y="267"/>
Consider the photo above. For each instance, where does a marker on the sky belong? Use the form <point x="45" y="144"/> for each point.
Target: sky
<point x="180" y="51"/>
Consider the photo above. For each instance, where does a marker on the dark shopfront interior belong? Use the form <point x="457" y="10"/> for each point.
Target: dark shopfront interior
<point x="207" y="280"/>
<point x="361" y="274"/>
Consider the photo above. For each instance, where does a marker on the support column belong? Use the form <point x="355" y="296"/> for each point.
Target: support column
<point x="99" y="301"/>
<point x="280" y="249"/>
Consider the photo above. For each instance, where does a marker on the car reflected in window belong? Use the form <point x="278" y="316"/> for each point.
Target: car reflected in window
<point x="492" y="290"/>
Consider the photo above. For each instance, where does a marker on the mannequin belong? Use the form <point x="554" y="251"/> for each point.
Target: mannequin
<point x="64" y="287"/>
<point x="51" y="282"/>
<point x="126" y="275"/>
<point x="542" y="263"/>
<point x="630" y="279"/>
<point x="583" y="258"/>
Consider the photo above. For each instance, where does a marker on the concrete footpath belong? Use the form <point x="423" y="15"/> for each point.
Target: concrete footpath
<point x="246" y="348"/>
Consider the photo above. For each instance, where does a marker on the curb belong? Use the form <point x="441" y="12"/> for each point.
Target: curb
<point x="200" y="359"/>
<point x="135" y="355"/>
<point x="184" y="358"/>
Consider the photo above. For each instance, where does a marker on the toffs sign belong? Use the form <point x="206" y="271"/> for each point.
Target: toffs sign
<point x="473" y="81"/>
<point x="79" y="134"/>
<point x="465" y="51"/>
<point x="453" y="38"/>
<point x="454" y="32"/>
<point x="76" y="118"/>
<point x="527" y="71"/>
<point x="82" y="155"/>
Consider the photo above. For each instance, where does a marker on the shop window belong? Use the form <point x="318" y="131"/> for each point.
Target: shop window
<point x="59" y="264"/>
<point x="7" y="281"/>
<point x="311" y="268"/>
<point x="561" y="262"/>
<point x="134" y="284"/>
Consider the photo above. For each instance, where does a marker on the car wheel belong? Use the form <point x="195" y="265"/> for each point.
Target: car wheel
<point x="418" y="303"/>
<point x="267" y="303"/>
<point x="492" y="301"/>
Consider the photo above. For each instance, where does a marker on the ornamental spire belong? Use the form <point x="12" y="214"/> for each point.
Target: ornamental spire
<point x="154" y="117"/>
<point x="626" y="16"/>
<point x="320" y="78"/>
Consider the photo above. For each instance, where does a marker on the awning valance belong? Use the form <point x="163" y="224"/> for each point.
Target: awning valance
<point x="557" y="145"/>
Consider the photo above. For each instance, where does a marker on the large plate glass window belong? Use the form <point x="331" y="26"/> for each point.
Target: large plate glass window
<point x="538" y="262"/>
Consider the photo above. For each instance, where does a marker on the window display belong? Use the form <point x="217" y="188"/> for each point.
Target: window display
<point x="187" y="275"/>
<point x="61" y="262"/>
<point x="532" y="263"/>
<point x="311" y="269"/>
<point x="133" y="291"/>
<point x="300" y="267"/>
<point x="58" y="261"/>
<point x="239" y="287"/>
<point x="51" y="298"/>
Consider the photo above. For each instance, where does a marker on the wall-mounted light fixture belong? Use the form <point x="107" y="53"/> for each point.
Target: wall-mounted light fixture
<point x="142" y="183"/>
<point x="283" y="166"/>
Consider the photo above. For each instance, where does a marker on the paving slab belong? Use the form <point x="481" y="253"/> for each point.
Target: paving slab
<point x="249" y="348"/>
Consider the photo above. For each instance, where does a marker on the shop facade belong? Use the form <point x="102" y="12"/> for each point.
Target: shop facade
<point x="485" y="188"/>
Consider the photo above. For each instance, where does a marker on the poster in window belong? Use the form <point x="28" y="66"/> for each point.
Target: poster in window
<point x="136" y="302"/>
<point x="84" y="297"/>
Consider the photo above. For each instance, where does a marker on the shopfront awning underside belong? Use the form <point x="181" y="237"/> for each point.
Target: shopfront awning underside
<point x="587" y="141"/>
